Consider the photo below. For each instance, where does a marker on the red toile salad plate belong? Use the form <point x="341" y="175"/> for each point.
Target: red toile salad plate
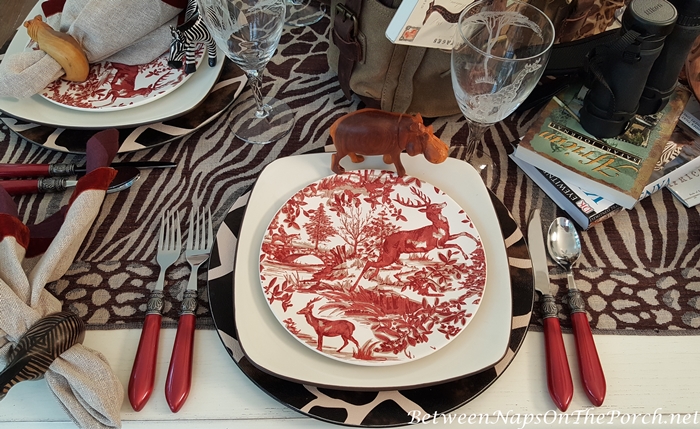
<point x="113" y="86"/>
<point x="371" y="268"/>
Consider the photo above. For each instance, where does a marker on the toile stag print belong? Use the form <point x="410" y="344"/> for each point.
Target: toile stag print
<point x="372" y="268"/>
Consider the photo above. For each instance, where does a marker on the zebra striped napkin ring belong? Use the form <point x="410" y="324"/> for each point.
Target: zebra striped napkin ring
<point x="39" y="347"/>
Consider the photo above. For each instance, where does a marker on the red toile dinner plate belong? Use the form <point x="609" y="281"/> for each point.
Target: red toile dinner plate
<point x="370" y="268"/>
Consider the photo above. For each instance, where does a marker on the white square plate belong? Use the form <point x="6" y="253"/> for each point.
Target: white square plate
<point x="39" y="110"/>
<point x="270" y="347"/>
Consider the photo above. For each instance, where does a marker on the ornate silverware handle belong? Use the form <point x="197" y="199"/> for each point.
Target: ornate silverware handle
<point x="179" y="380"/>
<point x="592" y="374"/>
<point x="143" y="373"/>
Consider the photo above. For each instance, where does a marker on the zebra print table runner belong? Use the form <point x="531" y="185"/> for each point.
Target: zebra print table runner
<point x="639" y="272"/>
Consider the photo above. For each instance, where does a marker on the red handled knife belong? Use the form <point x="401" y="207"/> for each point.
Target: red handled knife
<point x="16" y="171"/>
<point x="126" y="176"/>
<point x="561" y="387"/>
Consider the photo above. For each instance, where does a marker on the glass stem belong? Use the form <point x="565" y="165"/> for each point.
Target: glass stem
<point x="255" y="79"/>
<point x="476" y="132"/>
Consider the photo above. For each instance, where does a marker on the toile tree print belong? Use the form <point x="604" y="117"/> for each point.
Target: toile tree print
<point x="319" y="226"/>
<point x="372" y="268"/>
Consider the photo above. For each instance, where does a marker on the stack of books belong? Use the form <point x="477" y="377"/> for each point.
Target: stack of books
<point x="592" y="179"/>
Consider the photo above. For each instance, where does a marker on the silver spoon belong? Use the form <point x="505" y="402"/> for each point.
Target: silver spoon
<point x="564" y="247"/>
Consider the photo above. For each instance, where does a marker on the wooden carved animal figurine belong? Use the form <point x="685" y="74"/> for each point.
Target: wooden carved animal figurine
<point x="328" y="328"/>
<point x="61" y="47"/>
<point x="186" y="37"/>
<point x="376" y="132"/>
<point x="39" y="347"/>
<point x="421" y="240"/>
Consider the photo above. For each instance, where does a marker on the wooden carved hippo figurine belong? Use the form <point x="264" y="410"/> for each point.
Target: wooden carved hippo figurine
<point x="61" y="47"/>
<point x="376" y="132"/>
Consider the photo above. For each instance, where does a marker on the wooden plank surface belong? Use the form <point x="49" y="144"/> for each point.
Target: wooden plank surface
<point x="645" y="375"/>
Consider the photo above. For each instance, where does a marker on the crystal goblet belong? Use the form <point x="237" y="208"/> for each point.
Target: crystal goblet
<point x="500" y="50"/>
<point x="248" y="31"/>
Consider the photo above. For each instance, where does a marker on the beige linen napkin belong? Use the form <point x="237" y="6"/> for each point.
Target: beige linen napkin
<point x="32" y="256"/>
<point x="122" y="31"/>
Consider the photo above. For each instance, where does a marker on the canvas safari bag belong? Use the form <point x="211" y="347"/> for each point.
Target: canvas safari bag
<point x="390" y="77"/>
<point x="410" y="79"/>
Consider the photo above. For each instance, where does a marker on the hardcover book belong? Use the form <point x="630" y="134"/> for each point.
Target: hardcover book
<point x="687" y="188"/>
<point x="426" y="23"/>
<point x="680" y="156"/>
<point x="617" y="169"/>
<point x="585" y="208"/>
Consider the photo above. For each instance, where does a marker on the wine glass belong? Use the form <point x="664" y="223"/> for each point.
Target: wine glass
<point x="248" y="32"/>
<point x="301" y="13"/>
<point x="500" y="50"/>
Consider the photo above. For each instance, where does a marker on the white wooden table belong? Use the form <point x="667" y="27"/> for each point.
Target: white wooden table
<point x="645" y="375"/>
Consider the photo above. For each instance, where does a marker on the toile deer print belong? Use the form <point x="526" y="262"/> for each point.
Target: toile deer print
<point x="421" y="240"/>
<point x="328" y="328"/>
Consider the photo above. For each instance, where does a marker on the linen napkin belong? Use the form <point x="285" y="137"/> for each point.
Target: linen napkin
<point x="32" y="256"/>
<point x="123" y="31"/>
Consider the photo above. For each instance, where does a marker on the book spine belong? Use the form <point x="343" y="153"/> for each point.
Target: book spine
<point x="567" y="192"/>
<point x="606" y="213"/>
<point x="593" y="216"/>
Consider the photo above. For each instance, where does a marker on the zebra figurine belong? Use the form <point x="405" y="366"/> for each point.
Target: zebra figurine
<point x="185" y="38"/>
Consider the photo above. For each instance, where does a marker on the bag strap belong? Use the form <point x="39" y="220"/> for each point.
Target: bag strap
<point x="567" y="64"/>
<point x="345" y="30"/>
<point x="570" y="57"/>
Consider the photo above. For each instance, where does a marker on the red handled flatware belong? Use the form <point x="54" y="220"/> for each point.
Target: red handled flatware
<point x="199" y="241"/>
<point x="143" y="372"/>
<point x="17" y="171"/>
<point x="565" y="248"/>
<point x="126" y="176"/>
<point x="561" y="387"/>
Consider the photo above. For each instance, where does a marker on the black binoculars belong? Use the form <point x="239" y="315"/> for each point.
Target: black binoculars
<point x="638" y="72"/>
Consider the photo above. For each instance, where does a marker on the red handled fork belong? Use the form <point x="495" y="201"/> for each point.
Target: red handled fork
<point x="144" y="370"/>
<point x="199" y="241"/>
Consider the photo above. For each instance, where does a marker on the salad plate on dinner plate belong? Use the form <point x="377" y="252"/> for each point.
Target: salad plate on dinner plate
<point x="371" y="268"/>
<point x="366" y="407"/>
<point x="38" y="110"/>
<point x="113" y="86"/>
<point x="482" y="343"/>
<point x="228" y="86"/>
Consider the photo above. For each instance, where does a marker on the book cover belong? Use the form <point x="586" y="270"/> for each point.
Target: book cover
<point x="426" y="23"/>
<point x="618" y="169"/>
<point x="687" y="188"/>
<point x="680" y="156"/>
<point x="585" y="208"/>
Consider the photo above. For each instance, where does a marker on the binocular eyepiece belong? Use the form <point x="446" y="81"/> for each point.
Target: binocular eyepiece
<point x="638" y="72"/>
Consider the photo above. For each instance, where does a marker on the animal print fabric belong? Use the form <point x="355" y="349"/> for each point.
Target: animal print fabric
<point x="601" y="15"/>
<point x="639" y="271"/>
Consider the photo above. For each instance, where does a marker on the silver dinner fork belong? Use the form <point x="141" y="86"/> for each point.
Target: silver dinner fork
<point x="144" y="370"/>
<point x="199" y="242"/>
